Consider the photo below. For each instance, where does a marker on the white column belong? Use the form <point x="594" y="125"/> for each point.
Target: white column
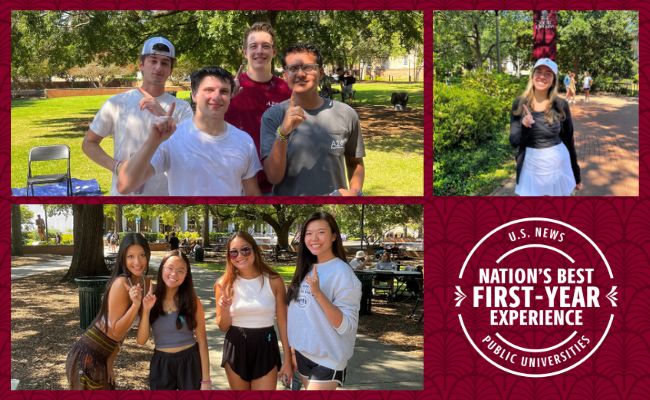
<point x="184" y="223"/>
<point x="155" y="224"/>
<point x="123" y="222"/>
<point x="210" y="223"/>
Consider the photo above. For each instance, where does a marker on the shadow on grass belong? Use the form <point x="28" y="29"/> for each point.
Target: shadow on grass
<point x="24" y="102"/>
<point x="65" y="128"/>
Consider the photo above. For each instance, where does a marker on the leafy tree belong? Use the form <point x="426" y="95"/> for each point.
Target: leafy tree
<point x="598" y="41"/>
<point x="50" y="43"/>
<point x="100" y="74"/>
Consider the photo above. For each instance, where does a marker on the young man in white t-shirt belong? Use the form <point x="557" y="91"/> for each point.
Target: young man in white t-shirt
<point x="205" y="156"/>
<point x="128" y="116"/>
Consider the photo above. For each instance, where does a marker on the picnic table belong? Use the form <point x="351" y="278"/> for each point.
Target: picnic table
<point x="401" y="277"/>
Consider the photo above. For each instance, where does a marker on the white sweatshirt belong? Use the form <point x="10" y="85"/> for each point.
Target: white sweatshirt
<point x="310" y="332"/>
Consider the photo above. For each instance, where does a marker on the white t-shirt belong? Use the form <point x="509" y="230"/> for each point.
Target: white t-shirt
<point x="121" y="117"/>
<point x="199" y="164"/>
<point x="586" y="83"/>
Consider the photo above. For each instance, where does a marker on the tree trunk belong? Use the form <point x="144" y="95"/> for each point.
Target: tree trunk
<point x="88" y="253"/>
<point x="206" y="227"/>
<point x="118" y="218"/>
<point x="16" y="231"/>
<point x="47" y="239"/>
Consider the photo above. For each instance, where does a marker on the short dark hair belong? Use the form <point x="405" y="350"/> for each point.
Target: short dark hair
<point x="303" y="48"/>
<point x="259" y="27"/>
<point x="217" y="72"/>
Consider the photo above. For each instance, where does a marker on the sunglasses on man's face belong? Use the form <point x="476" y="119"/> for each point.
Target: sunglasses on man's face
<point x="244" y="251"/>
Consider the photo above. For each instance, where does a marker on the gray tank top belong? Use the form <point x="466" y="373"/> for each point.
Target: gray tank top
<point x="165" y="334"/>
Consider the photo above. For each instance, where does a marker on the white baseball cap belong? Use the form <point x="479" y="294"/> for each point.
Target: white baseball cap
<point x="360" y="254"/>
<point x="158" y="45"/>
<point x="547" y="62"/>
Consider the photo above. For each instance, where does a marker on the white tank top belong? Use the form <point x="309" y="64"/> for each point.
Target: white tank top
<point x="253" y="304"/>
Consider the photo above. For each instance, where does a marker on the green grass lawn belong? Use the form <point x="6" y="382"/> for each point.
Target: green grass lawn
<point x="286" y="271"/>
<point x="377" y="93"/>
<point x="65" y="120"/>
<point x="394" y="164"/>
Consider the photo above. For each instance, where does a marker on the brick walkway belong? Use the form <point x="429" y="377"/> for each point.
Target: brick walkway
<point x="607" y="142"/>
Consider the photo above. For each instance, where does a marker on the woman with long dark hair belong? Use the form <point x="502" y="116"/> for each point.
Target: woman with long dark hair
<point x="324" y="298"/>
<point x="250" y="298"/>
<point x="175" y="315"/>
<point x="542" y="129"/>
<point x="89" y="364"/>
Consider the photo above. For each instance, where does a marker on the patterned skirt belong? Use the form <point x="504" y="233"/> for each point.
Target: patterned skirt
<point x="87" y="362"/>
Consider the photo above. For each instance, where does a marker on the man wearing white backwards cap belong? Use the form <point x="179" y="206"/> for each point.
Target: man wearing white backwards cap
<point x="129" y="116"/>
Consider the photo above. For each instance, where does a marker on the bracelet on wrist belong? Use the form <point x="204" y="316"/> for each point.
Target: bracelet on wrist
<point x="116" y="168"/>
<point x="281" y="136"/>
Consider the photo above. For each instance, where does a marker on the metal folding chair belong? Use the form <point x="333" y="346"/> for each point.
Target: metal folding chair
<point x="49" y="153"/>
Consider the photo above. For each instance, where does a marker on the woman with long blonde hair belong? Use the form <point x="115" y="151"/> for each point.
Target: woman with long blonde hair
<point x="250" y="298"/>
<point x="542" y="129"/>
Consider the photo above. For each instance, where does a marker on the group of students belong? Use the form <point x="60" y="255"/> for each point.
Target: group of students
<point x="570" y="86"/>
<point x="316" y="318"/>
<point x="251" y="134"/>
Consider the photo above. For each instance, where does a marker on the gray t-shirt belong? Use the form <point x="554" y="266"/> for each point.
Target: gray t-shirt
<point x="317" y="148"/>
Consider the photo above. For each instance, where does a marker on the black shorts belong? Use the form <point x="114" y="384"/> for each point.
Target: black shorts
<point x="176" y="371"/>
<point x="251" y="352"/>
<point x="318" y="373"/>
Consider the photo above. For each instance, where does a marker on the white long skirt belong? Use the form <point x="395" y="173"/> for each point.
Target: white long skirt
<point x="546" y="172"/>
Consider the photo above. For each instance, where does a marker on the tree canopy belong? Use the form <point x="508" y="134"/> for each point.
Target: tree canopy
<point x="598" y="41"/>
<point x="50" y="43"/>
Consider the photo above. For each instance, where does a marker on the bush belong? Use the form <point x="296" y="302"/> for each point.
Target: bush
<point x="464" y="118"/>
<point x="470" y="132"/>
<point x="67" y="238"/>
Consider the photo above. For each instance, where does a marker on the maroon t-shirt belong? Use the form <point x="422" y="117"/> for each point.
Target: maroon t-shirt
<point x="246" y="109"/>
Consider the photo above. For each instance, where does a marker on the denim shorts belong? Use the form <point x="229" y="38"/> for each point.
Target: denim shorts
<point x="318" y="373"/>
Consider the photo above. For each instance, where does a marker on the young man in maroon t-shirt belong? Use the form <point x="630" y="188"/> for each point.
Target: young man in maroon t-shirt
<point x="259" y="89"/>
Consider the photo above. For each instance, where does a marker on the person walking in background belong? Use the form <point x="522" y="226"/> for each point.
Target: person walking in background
<point x="174" y="242"/>
<point x="324" y="300"/>
<point x="40" y="228"/>
<point x="571" y="91"/>
<point x="251" y="297"/>
<point x="174" y="314"/>
<point x="258" y="88"/>
<point x="542" y="129"/>
<point x="587" y="82"/>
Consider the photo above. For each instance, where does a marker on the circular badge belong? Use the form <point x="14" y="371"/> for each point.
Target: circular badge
<point x="535" y="297"/>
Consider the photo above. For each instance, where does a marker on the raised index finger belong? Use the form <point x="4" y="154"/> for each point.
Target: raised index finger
<point x="315" y="271"/>
<point x="170" y="112"/>
<point x="241" y="68"/>
<point x="292" y="100"/>
<point x="526" y="110"/>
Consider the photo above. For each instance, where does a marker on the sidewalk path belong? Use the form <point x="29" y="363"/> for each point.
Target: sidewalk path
<point x="607" y="142"/>
<point x="375" y="366"/>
